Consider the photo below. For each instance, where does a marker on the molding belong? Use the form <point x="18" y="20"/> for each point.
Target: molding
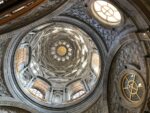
<point x="36" y="14"/>
<point x="11" y="102"/>
<point x="129" y="8"/>
<point x="78" y="108"/>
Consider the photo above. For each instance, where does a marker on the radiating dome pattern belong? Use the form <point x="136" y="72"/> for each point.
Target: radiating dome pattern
<point x="57" y="64"/>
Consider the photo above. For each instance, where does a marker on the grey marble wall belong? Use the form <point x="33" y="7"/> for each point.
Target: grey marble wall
<point x="123" y="49"/>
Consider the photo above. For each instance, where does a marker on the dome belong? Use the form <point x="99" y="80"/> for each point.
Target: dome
<point x="57" y="64"/>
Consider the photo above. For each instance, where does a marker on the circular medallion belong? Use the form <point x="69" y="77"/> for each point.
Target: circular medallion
<point x="61" y="50"/>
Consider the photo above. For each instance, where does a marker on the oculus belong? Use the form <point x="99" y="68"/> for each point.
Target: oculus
<point x="56" y="65"/>
<point x="132" y="87"/>
<point x="106" y="13"/>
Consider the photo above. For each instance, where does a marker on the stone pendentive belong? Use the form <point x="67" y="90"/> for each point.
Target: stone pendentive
<point x="129" y="57"/>
<point x="108" y="35"/>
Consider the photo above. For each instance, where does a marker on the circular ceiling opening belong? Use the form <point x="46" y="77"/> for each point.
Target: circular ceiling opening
<point x="132" y="88"/>
<point x="56" y="65"/>
<point x="106" y="13"/>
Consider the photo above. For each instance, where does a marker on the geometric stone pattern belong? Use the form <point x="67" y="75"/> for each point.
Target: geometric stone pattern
<point x="109" y="36"/>
<point x="79" y="11"/>
<point x="132" y="54"/>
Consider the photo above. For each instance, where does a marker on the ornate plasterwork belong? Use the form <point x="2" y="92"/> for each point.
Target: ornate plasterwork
<point x="80" y="107"/>
<point x="62" y="58"/>
<point x="132" y="51"/>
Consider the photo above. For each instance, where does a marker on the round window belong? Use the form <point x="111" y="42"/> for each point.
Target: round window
<point x="106" y="13"/>
<point x="132" y="88"/>
<point x="56" y="65"/>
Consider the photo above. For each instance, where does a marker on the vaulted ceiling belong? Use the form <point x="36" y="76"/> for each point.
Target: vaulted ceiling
<point x="74" y="56"/>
